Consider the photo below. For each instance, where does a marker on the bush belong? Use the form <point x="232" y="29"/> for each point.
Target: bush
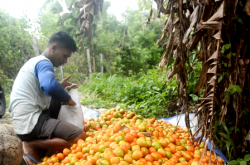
<point x="145" y="94"/>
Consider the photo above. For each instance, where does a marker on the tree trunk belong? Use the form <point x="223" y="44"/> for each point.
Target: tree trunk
<point x="101" y="60"/>
<point x="89" y="62"/>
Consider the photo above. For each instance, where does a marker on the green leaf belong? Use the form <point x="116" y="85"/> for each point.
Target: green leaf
<point x="247" y="157"/>
<point x="233" y="162"/>
<point x="240" y="20"/>
<point x="225" y="47"/>
<point x="245" y="112"/>
<point x="220" y="77"/>
<point x="156" y="88"/>
<point x="243" y="162"/>
<point x="194" y="97"/>
<point x="234" y="88"/>
<point x="225" y="127"/>
<point x="229" y="55"/>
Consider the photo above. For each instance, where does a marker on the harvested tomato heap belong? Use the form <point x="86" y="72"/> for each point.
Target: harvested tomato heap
<point x="107" y="144"/>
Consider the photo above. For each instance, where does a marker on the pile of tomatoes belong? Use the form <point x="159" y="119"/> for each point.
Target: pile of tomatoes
<point x="106" y="144"/>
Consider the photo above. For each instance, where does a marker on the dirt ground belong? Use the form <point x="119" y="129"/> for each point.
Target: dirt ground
<point x="6" y="119"/>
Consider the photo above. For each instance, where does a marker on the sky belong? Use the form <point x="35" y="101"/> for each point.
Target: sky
<point x="16" y="7"/>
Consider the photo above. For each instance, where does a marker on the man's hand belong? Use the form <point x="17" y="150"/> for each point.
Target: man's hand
<point x="73" y="86"/>
<point x="65" y="84"/>
<point x="70" y="102"/>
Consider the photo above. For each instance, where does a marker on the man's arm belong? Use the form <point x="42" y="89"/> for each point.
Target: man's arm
<point x="48" y="83"/>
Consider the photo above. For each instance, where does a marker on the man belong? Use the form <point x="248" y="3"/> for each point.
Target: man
<point x="36" y="100"/>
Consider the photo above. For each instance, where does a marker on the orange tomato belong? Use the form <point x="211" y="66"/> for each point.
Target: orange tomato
<point x="136" y="155"/>
<point x="66" y="152"/>
<point x="144" y="151"/>
<point x="149" y="158"/>
<point x="187" y="156"/>
<point x="128" y="158"/>
<point x="152" y="150"/>
<point x="114" y="160"/>
<point x="79" y="155"/>
<point x="60" y="156"/>
<point x="129" y="138"/>
<point x="172" y="149"/>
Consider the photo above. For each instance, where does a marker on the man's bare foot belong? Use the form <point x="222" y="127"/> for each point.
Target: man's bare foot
<point x="30" y="150"/>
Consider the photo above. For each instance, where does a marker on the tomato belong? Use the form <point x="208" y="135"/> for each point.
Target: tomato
<point x="174" y="160"/>
<point x="118" y="152"/>
<point x="178" y="154"/>
<point x="136" y="155"/>
<point x="162" y="152"/>
<point x="156" y="145"/>
<point x="197" y="156"/>
<point x="60" y="156"/>
<point x="136" y="147"/>
<point x="149" y="158"/>
<point x="197" y="152"/>
<point x="85" y="150"/>
<point x="172" y="149"/>
<point x="142" y="142"/>
<point x="54" y="159"/>
<point x="156" y="163"/>
<point x="187" y="156"/>
<point x="125" y="148"/>
<point x="142" y="127"/>
<point x="181" y="159"/>
<point x="119" y="138"/>
<point x="155" y="155"/>
<point x="114" y="160"/>
<point x="134" y="134"/>
<point x="163" y="143"/>
<point x="190" y="148"/>
<point x="152" y="150"/>
<point x="66" y="152"/>
<point x="168" y="154"/>
<point x="104" y="162"/>
<point x="79" y="155"/>
<point x="129" y="138"/>
<point x="144" y="151"/>
<point x="128" y="158"/>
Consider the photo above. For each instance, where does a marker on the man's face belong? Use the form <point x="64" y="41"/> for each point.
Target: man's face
<point x="60" y="55"/>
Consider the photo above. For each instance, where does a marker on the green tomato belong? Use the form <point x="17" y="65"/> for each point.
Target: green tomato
<point x="181" y="159"/>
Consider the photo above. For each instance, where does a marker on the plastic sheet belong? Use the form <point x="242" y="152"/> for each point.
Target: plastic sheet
<point x="89" y="113"/>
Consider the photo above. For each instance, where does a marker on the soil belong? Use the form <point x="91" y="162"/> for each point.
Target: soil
<point x="6" y="119"/>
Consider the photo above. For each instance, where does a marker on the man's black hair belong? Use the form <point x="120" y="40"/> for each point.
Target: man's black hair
<point x="64" y="40"/>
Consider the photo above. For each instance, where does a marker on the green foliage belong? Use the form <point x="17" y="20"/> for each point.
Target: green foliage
<point x="194" y="97"/>
<point x="15" y="48"/>
<point x="232" y="89"/>
<point x="128" y="45"/>
<point x="225" y="47"/>
<point x="241" y="161"/>
<point x="145" y="94"/>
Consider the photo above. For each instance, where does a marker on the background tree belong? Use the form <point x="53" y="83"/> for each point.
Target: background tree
<point x="15" y="47"/>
